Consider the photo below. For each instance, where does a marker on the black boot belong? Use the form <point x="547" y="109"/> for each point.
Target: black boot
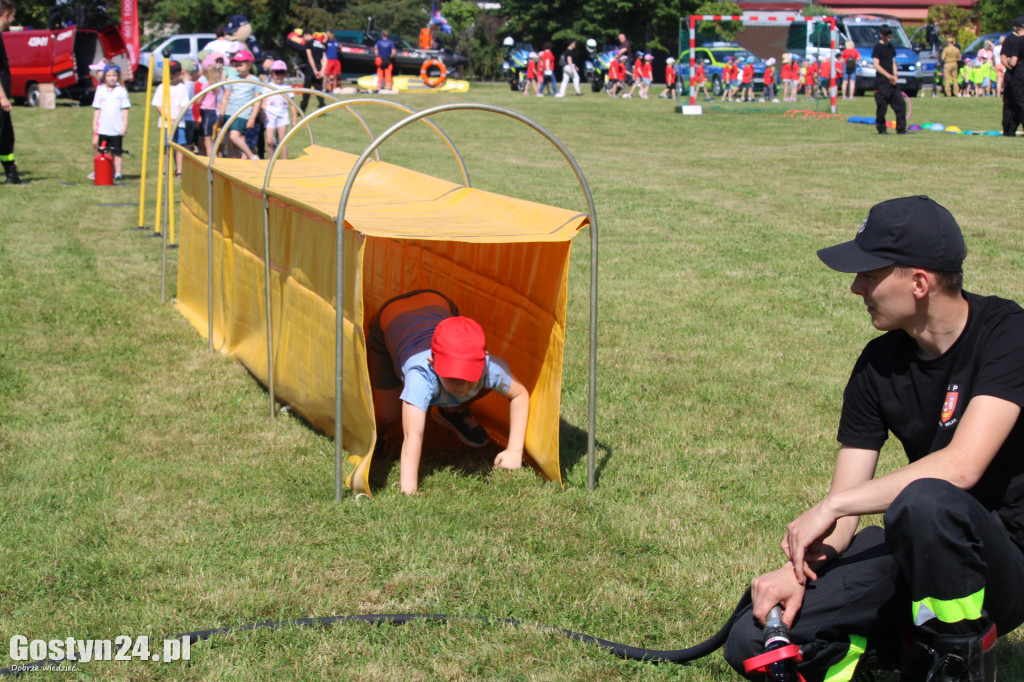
<point x="12" y="175"/>
<point x="963" y="658"/>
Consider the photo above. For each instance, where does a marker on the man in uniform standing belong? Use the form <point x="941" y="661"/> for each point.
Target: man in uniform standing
<point x="1013" y="80"/>
<point x="887" y="90"/>
<point x="7" y="10"/>
<point x="951" y="57"/>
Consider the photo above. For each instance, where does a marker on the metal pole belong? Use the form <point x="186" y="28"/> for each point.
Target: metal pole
<point x="266" y="217"/>
<point x="693" y="42"/>
<point x="209" y="204"/>
<point x="209" y="251"/>
<point x="833" y="57"/>
<point x="209" y="217"/>
<point x="339" y="254"/>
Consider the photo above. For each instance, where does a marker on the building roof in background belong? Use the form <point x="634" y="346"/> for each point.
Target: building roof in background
<point x="906" y="10"/>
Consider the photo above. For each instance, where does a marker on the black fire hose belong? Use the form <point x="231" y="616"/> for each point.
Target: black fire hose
<point x="701" y="650"/>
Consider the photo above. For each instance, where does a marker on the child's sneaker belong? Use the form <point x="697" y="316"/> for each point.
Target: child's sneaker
<point x="461" y="421"/>
<point x="118" y="178"/>
<point x="627" y="96"/>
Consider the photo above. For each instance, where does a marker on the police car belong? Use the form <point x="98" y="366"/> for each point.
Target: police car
<point x="715" y="56"/>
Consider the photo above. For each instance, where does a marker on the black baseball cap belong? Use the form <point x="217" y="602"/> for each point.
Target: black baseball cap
<point x="914" y="231"/>
<point x="1019" y="21"/>
<point x="885" y="30"/>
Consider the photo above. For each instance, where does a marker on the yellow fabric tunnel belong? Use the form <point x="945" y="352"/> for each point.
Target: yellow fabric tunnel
<point x="504" y="261"/>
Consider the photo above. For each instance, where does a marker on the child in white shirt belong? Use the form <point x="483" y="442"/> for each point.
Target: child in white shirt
<point x="110" y="118"/>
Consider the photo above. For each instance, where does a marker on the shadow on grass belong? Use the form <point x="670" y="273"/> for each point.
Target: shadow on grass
<point x="572" y="445"/>
<point x="443" y="451"/>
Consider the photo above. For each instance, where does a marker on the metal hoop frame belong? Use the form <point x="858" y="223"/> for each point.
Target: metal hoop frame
<point x="347" y="105"/>
<point x="340" y="267"/>
<point x="168" y="143"/>
<point x="373" y="149"/>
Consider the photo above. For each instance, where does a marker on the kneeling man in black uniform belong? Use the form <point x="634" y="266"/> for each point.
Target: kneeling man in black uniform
<point x="930" y="592"/>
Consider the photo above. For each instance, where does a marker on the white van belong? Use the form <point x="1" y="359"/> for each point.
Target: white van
<point x="862" y="31"/>
<point x="176" y="47"/>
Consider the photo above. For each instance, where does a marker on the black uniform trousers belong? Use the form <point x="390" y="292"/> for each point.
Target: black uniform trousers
<point x="6" y="137"/>
<point x="889" y="95"/>
<point x="939" y="543"/>
<point x="1013" y="104"/>
<point x="310" y="83"/>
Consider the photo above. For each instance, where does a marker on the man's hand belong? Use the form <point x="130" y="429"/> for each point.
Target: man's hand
<point x="775" y="588"/>
<point x="893" y="78"/>
<point x="509" y="459"/>
<point x="5" y="103"/>
<point x="804" y="537"/>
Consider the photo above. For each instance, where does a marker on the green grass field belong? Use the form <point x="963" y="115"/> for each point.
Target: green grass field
<point x="145" y="491"/>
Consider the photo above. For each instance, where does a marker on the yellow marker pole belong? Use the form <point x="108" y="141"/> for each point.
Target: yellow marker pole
<point x="163" y="151"/>
<point x="145" y="146"/>
<point x="170" y="209"/>
<point x="169" y="118"/>
<point x="168" y="136"/>
<point x="170" y="176"/>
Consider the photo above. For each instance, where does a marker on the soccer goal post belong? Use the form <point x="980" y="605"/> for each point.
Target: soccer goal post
<point x="691" y="23"/>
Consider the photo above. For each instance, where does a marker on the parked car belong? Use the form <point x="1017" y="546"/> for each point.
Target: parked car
<point x="714" y="56"/>
<point x="971" y="51"/>
<point x="930" y="58"/>
<point x="61" y="57"/>
<point x="176" y="47"/>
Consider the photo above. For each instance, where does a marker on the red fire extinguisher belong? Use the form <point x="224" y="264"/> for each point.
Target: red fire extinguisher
<point x="103" y="166"/>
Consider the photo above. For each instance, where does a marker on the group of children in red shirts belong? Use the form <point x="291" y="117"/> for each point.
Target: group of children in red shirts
<point x="642" y="73"/>
<point x="540" y="71"/>
<point x="538" y="67"/>
<point x="811" y="79"/>
<point x="737" y="81"/>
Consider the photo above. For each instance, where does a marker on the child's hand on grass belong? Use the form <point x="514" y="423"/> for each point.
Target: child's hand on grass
<point x="507" y="459"/>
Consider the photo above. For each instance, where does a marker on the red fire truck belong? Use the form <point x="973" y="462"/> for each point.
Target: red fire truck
<point x="61" y="57"/>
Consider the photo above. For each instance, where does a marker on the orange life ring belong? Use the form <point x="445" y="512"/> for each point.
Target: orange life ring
<point x="433" y="81"/>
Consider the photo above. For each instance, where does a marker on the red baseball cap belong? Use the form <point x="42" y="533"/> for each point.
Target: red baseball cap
<point x="460" y="349"/>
